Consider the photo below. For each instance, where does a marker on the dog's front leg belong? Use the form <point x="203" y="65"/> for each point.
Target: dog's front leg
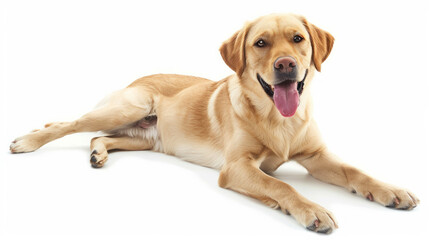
<point x="326" y="167"/>
<point x="244" y="176"/>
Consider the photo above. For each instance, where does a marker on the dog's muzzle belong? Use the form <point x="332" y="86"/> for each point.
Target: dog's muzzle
<point x="285" y="93"/>
<point x="269" y="89"/>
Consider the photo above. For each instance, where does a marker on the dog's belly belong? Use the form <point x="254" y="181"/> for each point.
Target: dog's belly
<point x="198" y="153"/>
<point x="180" y="146"/>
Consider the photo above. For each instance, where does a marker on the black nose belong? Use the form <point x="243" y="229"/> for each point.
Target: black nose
<point x="285" y="64"/>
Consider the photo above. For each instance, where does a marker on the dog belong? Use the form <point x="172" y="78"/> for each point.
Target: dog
<point x="245" y="125"/>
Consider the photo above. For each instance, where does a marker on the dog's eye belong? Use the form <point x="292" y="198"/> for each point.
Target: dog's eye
<point x="297" y="38"/>
<point x="260" y="43"/>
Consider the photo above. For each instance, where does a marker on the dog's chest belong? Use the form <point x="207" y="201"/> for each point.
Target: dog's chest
<point x="283" y="140"/>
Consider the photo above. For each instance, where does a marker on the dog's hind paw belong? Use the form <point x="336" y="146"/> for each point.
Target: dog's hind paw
<point x="27" y="143"/>
<point x="97" y="159"/>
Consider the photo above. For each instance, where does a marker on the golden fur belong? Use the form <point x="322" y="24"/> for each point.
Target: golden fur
<point x="232" y="125"/>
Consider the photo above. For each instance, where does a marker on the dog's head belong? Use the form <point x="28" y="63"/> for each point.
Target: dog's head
<point x="278" y="51"/>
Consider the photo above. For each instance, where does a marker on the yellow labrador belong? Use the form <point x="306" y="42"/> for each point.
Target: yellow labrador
<point x="245" y="125"/>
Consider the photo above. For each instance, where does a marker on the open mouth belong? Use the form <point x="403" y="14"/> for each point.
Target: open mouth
<point x="285" y="94"/>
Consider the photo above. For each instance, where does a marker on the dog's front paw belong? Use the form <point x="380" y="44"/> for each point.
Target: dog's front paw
<point x="314" y="217"/>
<point x="388" y="195"/>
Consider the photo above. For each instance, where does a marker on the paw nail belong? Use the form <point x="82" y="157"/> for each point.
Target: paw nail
<point x="94" y="152"/>
<point x="396" y="201"/>
<point x="313" y="226"/>
<point x="370" y="197"/>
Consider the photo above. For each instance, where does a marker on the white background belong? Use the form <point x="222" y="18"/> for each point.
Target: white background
<point x="59" y="58"/>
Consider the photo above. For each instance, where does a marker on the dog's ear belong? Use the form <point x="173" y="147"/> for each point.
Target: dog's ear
<point x="233" y="52"/>
<point x="321" y="42"/>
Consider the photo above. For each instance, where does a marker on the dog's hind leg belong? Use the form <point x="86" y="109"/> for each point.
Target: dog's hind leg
<point x="122" y="108"/>
<point x="100" y="146"/>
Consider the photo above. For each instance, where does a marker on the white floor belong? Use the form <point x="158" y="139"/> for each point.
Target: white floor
<point x="54" y="192"/>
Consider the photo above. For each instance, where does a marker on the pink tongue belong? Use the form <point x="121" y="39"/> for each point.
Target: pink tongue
<point x="286" y="98"/>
